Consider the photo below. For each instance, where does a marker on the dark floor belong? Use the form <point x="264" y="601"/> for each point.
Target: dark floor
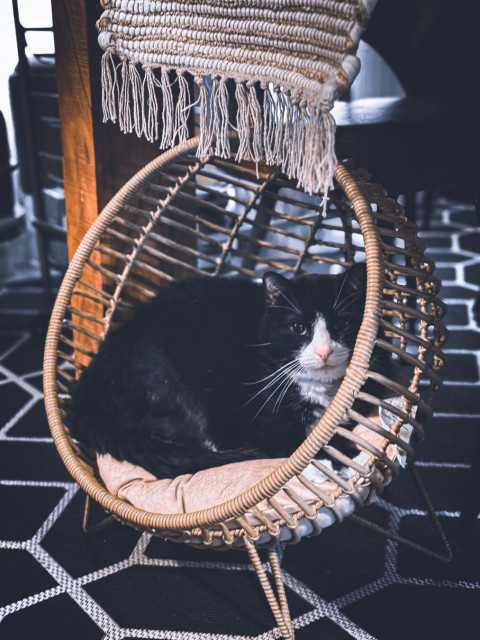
<point x="57" y="582"/>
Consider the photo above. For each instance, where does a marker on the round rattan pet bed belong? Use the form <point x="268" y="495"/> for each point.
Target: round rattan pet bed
<point x="181" y="215"/>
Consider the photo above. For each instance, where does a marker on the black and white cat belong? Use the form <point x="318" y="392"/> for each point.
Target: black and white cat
<point x="219" y="370"/>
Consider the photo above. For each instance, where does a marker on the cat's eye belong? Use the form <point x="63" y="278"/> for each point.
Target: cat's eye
<point x="299" y="328"/>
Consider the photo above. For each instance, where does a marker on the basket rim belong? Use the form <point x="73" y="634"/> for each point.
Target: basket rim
<point x="299" y="459"/>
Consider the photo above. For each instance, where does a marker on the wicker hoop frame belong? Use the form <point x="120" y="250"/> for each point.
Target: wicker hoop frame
<point x="134" y="247"/>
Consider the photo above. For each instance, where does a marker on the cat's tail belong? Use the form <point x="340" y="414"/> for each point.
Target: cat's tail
<point x="168" y="460"/>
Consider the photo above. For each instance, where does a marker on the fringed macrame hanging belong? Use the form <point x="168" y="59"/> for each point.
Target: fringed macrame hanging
<point x="277" y="65"/>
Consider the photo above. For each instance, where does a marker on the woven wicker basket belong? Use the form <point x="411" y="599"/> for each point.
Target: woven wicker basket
<point x="181" y="216"/>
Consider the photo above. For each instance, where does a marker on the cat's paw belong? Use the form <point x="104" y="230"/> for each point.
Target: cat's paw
<point x="314" y="474"/>
<point x="361" y="458"/>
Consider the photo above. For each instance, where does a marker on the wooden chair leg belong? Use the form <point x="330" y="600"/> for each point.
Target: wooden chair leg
<point x="277" y="601"/>
<point x="98" y="526"/>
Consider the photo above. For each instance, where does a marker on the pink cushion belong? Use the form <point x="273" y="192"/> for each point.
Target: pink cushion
<point x="210" y="487"/>
<point x="192" y="492"/>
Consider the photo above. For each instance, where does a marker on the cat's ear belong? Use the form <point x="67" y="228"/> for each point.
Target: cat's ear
<point x="351" y="288"/>
<point x="356" y="277"/>
<point x="276" y="287"/>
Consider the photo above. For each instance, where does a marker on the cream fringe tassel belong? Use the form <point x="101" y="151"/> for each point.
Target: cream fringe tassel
<point x="292" y="135"/>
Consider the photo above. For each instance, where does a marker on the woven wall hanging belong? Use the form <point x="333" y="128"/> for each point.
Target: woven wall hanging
<point x="268" y="69"/>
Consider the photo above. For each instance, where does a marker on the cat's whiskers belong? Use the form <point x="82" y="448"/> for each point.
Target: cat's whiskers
<point x="290" y="362"/>
<point x="287" y="379"/>
<point x="290" y="302"/>
<point x="338" y="293"/>
<point x="279" y="307"/>
<point x="278" y="380"/>
<point x="287" y="371"/>
<point x="282" y="394"/>
<point x="260" y="344"/>
<point x="347" y="302"/>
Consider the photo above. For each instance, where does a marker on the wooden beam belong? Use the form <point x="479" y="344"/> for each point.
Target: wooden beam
<point x="75" y="107"/>
<point x="97" y="157"/>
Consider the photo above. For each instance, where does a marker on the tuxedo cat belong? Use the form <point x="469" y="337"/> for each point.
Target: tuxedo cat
<point x="219" y="370"/>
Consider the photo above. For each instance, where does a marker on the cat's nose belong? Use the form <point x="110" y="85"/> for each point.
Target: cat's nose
<point x="323" y="352"/>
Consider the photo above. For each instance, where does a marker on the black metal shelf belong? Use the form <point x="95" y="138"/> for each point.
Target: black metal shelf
<point x="43" y="166"/>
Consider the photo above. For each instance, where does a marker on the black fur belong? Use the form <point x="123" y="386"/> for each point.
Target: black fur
<point x="180" y="387"/>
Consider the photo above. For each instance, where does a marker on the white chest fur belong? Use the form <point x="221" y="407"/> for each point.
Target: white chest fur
<point x="318" y="381"/>
<point x="316" y="392"/>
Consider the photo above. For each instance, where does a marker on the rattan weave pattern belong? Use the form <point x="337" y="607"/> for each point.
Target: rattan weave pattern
<point x="230" y="221"/>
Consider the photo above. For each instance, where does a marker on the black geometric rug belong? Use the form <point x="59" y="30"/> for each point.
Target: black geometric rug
<point x="58" y="583"/>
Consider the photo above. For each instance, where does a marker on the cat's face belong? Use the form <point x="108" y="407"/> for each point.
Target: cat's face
<point x="312" y="321"/>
